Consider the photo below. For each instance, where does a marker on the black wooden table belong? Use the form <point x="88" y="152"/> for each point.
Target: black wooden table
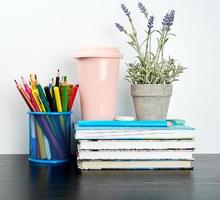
<point x="21" y="180"/>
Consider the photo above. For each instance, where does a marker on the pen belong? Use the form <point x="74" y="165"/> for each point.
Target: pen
<point x="58" y="78"/>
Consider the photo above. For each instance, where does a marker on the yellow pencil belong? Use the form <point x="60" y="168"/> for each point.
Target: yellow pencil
<point x="38" y="100"/>
<point x="41" y="142"/>
<point x="32" y="82"/>
<point x="59" y="106"/>
<point x="57" y="97"/>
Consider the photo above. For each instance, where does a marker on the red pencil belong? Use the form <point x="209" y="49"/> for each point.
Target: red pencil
<point x="25" y="96"/>
<point x="72" y="98"/>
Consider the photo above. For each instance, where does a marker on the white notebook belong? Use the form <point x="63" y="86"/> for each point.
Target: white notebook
<point x="134" y="154"/>
<point x="147" y="164"/>
<point x="134" y="136"/>
<point x="135" y="144"/>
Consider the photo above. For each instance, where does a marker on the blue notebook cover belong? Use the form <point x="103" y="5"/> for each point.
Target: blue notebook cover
<point x="135" y="123"/>
<point x="174" y="127"/>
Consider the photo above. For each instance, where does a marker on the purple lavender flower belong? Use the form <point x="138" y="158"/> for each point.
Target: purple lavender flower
<point x="143" y="9"/>
<point x="172" y="14"/>
<point x="168" y="19"/>
<point x="150" y="23"/>
<point x="126" y="11"/>
<point x="120" y="27"/>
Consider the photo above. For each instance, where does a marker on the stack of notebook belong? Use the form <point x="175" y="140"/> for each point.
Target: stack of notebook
<point x="134" y="144"/>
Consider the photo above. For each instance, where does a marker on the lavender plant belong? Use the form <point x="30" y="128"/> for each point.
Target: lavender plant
<point x="150" y="67"/>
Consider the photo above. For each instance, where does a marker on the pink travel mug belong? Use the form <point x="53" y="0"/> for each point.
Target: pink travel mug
<point x="98" y="72"/>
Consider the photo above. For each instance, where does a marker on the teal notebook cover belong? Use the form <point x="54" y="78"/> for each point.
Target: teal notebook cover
<point x="175" y="127"/>
<point x="135" y="123"/>
<point x="170" y="124"/>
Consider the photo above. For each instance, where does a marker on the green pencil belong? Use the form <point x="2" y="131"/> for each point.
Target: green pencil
<point x="64" y="95"/>
<point x="43" y="98"/>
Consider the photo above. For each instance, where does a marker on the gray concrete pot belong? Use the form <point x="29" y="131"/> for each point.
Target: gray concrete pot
<point x="151" y="101"/>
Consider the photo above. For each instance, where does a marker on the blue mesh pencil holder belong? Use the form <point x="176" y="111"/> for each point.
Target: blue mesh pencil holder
<point x="49" y="137"/>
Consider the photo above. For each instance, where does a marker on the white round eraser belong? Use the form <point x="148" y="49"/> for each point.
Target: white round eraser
<point x="124" y="118"/>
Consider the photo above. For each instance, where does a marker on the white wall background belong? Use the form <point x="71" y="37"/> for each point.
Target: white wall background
<point x="40" y="36"/>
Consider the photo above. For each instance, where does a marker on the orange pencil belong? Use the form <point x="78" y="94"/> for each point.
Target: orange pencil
<point x="69" y="93"/>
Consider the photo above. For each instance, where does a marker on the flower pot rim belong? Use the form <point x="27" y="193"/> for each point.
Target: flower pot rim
<point x="152" y="84"/>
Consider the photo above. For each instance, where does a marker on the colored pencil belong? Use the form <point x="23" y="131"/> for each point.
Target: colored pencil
<point x="52" y="82"/>
<point x="73" y="95"/>
<point x="25" y="96"/>
<point x="47" y="145"/>
<point x="31" y="82"/>
<point x="70" y="89"/>
<point x="38" y="100"/>
<point x="64" y="95"/>
<point x="57" y="97"/>
<point x="29" y="92"/>
<point x="43" y="98"/>
<point x="41" y="136"/>
<point x="34" y="141"/>
<point x="35" y="81"/>
<point x="49" y="98"/>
